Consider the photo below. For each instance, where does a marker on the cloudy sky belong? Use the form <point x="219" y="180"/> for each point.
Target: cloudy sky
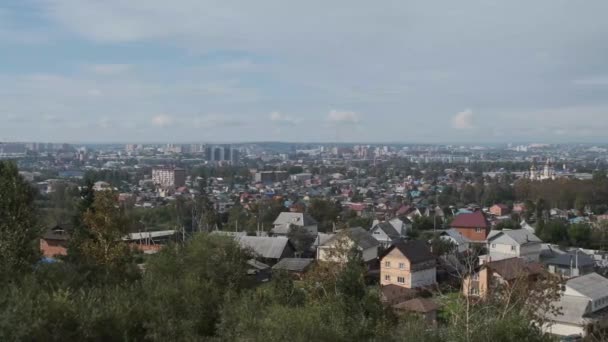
<point x="341" y="70"/>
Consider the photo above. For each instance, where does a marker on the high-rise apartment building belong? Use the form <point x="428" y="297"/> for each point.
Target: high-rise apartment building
<point x="169" y="177"/>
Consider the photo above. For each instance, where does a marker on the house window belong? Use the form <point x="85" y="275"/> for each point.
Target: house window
<point x="493" y="245"/>
<point x="513" y="248"/>
<point x="387" y="264"/>
<point x="474" y="291"/>
<point x="475" y="277"/>
<point x="401" y="280"/>
<point x="401" y="266"/>
<point x="477" y="230"/>
<point x="387" y="277"/>
<point x="376" y="232"/>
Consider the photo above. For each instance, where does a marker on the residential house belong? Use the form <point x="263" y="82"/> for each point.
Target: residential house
<point x="268" y="249"/>
<point x="473" y="226"/>
<point x="423" y="307"/>
<point x="583" y="307"/>
<point x="570" y="264"/>
<point x="499" y="210"/>
<point x="505" y="244"/>
<point x="294" y="266"/>
<point x="390" y="231"/>
<point x="286" y="220"/>
<point x="393" y="294"/>
<point x="408" y="264"/>
<point x="453" y="236"/>
<point x="55" y="241"/>
<point x="505" y="272"/>
<point x="337" y="247"/>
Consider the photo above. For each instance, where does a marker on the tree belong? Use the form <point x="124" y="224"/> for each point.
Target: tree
<point x="106" y="225"/>
<point x="507" y="224"/>
<point x="325" y="212"/>
<point x="19" y="234"/>
<point x="238" y="219"/>
<point x="579" y="235"/>
<point x="301" y="239"/>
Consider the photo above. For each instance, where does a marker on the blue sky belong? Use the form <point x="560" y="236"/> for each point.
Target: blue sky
<point x="399" y="71"/>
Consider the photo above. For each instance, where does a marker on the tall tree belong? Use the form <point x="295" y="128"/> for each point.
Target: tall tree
<point x="18" y="230"/>
<point x="107" y="225"/>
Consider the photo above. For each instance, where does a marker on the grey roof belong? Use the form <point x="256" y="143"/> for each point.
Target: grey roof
<point x="293" y="264"/>
<point x="591" y="285"/>
<point x="257" y="265"/>
<point x="388" y="229"/>
<point x="456" y="235"/>
<point x="521" y="236"/>
<point x="360" y="236"/>
<point x="571" y="258"/>
<point x="416" y="251"/>
<point x="266" y="247"/>
<point x="572" y="310"/>
<point x="298" y="219"/>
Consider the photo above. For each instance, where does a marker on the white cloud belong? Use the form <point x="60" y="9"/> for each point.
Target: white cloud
<point x="162" y="120"/>
<point x="463" y="120"/>
<point x="280" y="118"/>
<point x="343" y="117"/>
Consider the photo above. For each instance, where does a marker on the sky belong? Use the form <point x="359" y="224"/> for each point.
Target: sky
<point x="304" y="71"/>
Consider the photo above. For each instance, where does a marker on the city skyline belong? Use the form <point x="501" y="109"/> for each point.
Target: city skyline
<point x="206" y="71"/>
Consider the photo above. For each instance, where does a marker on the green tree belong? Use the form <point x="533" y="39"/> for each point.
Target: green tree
<point x="107" y="224"/>
<point x="19" y="233"/>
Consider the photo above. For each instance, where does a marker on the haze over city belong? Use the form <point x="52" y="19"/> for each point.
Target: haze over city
<point x="399" y="71"/>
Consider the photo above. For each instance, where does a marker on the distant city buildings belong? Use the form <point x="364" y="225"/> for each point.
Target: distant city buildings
<point x="222" y="154"/>
<point x="270" y="176"/>
<point x="169" y="177"/>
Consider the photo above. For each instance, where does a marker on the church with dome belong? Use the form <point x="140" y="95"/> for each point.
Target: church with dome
<point x="548" y="172"/>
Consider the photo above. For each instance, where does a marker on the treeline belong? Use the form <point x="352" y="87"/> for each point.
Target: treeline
<point x="567" y="193"/>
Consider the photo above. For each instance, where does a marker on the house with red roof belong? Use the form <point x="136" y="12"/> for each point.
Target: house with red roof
<point x="474" y="226"/>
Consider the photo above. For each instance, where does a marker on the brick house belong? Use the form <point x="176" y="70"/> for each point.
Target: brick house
<point x="499" y="210"/>
<point x="474" y="226"/>
<point x="54" y="242"/>
<point x="408" y="264"/>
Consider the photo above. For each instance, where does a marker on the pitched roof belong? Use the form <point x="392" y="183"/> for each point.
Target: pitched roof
<point x="591" y="285"/>
<point x="416" y="251"/>
<point x="421" y="305"/>
<point x="293" y="264"/>
<point x="266" y="247"/>
<point x="57" y="233"/>
<point x="362" y="237"/>
<point x="520" y="236"/>
<point x="298" y="219"/>
<point x="392" y="293"/>
<point x="572" y="310"/>
<point x="359" y="235"/>
<point x="456" y="235"/>
<point x="388" y="229"/>
<point x="513" y="268"/>
<point x="470" y="220"/>
<point x="571" y="258"/>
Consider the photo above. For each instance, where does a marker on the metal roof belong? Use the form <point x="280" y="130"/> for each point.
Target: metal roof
<point x="520" y="236"/>
<point x="591" y="285"/>
<point x="298" y="219"/>
<point x="149" y="235"/>
<point x="293" y="264"/>
<point x="266" y="247"/>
